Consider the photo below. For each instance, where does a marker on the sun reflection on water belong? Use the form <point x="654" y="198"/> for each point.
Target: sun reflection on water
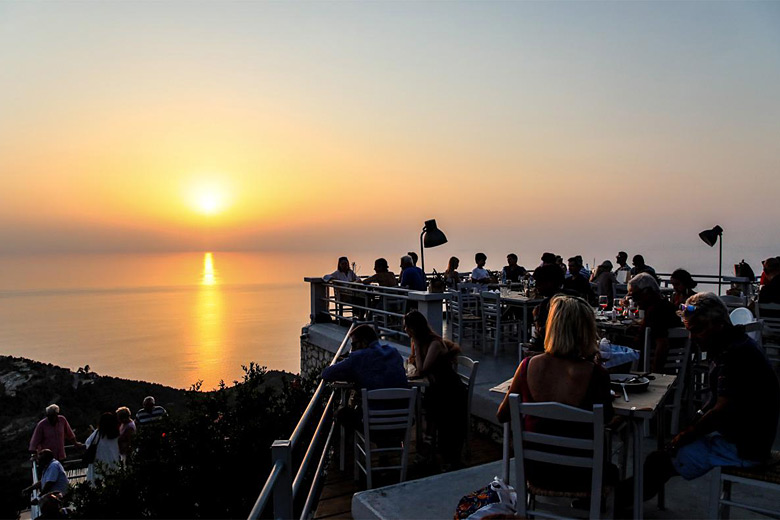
<point x="209" y="321"/>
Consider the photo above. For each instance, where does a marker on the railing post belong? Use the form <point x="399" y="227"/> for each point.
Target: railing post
<point x="430" y="305"/>
<point x="283" y="499"/>
<point x="319" y="291"/>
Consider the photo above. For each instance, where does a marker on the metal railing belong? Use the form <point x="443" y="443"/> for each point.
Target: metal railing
<point x="342" y="302"/>
<point x="281" y="484"/>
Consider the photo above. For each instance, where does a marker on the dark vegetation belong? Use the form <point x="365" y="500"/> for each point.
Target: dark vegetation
<point x="208" y="459"/>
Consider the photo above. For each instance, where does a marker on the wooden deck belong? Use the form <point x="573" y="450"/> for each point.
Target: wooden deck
<point x="336" y="498"/>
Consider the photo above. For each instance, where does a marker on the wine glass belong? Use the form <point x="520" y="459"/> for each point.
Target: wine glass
<point x="617" y="308"/>
<point x="603" y="303"/>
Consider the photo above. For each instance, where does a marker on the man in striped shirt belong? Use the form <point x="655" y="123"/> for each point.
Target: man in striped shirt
<point x="150" y="412"/>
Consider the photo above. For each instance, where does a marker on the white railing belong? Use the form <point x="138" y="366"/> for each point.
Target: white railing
<point x="343" y="302"/>
<point x="281" y="484"/>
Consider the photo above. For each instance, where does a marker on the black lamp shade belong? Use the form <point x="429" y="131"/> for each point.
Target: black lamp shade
<point x="433" y="235"/>
<point x="710" y="236"/>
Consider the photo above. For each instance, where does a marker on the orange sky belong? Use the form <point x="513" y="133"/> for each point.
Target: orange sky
<point x="340" y="125"/>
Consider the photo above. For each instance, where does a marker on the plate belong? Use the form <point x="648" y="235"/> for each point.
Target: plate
<point x="633" y="383"/>
<point x="741" y="316"/>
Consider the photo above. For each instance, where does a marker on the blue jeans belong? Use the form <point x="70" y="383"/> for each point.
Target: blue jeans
<point x="697" y="458"/>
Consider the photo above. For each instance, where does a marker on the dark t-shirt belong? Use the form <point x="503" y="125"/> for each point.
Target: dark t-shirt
<point x="378" y="366"/>
<point x="770" y="292"/>
<point x="581" y="286"/>
<point x="659" y="317"/>
<point x="743" y="374"/>
<point x="514" y="273"/>
<point x="413" y="278"/>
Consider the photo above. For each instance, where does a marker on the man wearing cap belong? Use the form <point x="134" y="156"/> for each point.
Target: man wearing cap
<point x="738" y="424"/>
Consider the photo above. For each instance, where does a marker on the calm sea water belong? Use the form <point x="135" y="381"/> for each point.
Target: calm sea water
<point x="179" y="318"/>
<point x="173" y="318"/>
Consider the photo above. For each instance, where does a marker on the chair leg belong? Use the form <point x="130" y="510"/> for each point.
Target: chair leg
<point x="610" y="512"/>
<point x="369" y="471"/>
<point x="355" y="454"/>
<point x="726" y="509"/>
<point x="714" y="509"/>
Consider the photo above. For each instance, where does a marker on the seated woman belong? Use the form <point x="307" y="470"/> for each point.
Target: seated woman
<point x="683" y="284"/>
<point x="451" y="276"/>
<point x="566" y="373"/>
<point x="445" y="399"/>
<point x="605" y="282"/>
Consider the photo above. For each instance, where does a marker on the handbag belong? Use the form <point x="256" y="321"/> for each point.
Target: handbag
<point x="89" y="456"/>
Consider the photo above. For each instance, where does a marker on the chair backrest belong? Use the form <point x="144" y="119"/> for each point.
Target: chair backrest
<point x="677" y="355"/>
<point x="388" y="409"/>
<point x="467" y="371"/>
<point x="770" y="314"/>
<point x="733" y="302"/>
<point x="754" y="329"/>
<point x="582" y="453"/>
<point x="491" y="307"/>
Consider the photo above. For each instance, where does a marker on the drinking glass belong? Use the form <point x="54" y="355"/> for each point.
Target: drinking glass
<point x="603" y="302"/>
<point x="617" y="309"/>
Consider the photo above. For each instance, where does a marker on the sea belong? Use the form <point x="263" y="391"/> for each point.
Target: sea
<point x="181" y="318"/>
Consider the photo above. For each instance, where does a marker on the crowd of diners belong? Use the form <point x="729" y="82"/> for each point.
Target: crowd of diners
<point x="736" y="426"/>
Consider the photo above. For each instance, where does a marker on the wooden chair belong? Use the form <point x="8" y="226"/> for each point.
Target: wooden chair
<point x="467" y="371"/>
<point x="463" y="318"/>
<point x="497" y="330"/>
<point x="677" y="361"/>
<point x="585" y="453"/>
<point x="769" y="313"/>
<point x="765" y="478"/>
<point x="388" y="414"/>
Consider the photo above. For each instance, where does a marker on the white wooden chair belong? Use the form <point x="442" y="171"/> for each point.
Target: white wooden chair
<point x="496" y="330"/>
<point x="585" y="453"/>
<point x="734" y="302"/>
<point x="764" y="479"/>
<point x="388" y="413"/>
<point x="463" y="318"/>
<point x="467" y="371"/>
<point x="769" y="313"/>
<point x="678" y="358"/>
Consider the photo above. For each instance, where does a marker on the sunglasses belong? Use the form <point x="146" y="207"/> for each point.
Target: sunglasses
<point x="687" y="310"/>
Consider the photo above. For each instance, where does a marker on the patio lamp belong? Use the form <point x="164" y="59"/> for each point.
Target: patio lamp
<point x="433" y="236"/>
<point x="709" y="237"/>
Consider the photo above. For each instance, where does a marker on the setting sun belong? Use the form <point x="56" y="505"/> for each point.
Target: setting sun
<point x="209" y="198"/>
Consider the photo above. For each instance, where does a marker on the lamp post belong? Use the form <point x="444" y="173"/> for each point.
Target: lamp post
<point x="709" y="237"/>
<point x="433" y="237"/>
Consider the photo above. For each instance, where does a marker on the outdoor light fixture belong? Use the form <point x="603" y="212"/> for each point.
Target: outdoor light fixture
<point x="433" y="237"/>
<point x="709" y="237"/>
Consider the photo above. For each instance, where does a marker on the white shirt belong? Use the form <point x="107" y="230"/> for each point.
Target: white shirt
<point x="349" y="276"/>
<point x="107" y="453"/>
<point x="479" y="273"/>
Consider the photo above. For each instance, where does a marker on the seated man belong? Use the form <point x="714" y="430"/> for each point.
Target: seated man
<point x="412" y="277"/>
<point x="770" y="290"/>
<point x="623" y="271"/>
<point x="512" y="273"/>
<point x="383" y="277"/>
<point x="479" y="274"/>
<point x="578" y="282"/>
<point x="53" y="476"/>
<point x="370" y="365"/>
<point x="737" y="426"/>
<point x="640" y="267"/>
<point x="660" y="316"/>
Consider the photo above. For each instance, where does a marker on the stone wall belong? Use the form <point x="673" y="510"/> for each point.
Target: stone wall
<point x="313" y="358"/>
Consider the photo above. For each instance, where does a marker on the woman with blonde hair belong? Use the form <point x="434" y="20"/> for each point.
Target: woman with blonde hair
<point x="567" y="372"/>
<point x="451" y="276"/>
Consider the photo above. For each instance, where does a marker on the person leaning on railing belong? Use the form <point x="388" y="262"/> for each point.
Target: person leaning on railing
<point x="52" y="432"/>
<point x="370" y="365"/>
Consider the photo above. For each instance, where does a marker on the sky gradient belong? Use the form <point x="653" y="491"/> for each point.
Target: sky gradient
<point x="576" y="126"/>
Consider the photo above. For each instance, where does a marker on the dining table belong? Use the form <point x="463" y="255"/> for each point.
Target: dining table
<point x="519" y="299"/>
<point x="640" y="407"/>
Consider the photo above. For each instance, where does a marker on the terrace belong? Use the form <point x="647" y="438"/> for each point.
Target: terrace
<point x="334" y="306"/>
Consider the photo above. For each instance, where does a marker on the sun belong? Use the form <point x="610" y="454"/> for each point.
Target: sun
<point x="209" y="198"/>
